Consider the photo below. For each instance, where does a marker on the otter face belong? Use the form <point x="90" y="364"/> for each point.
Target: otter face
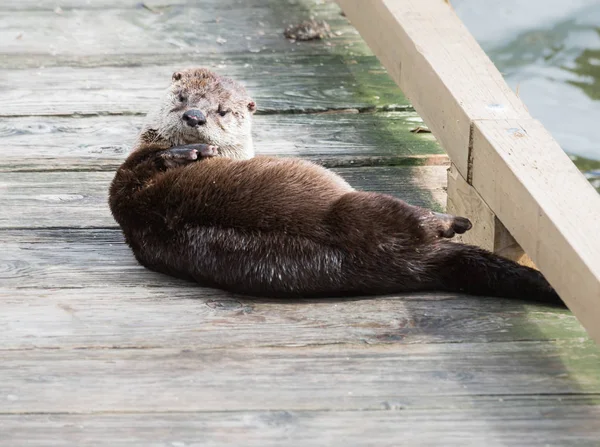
<point x="202" y="107"/>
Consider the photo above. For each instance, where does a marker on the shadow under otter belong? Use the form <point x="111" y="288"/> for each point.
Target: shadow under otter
<point x="193" y="203"/>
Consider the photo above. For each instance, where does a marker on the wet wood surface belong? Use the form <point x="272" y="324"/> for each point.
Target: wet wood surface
<point x="96" y="350"/>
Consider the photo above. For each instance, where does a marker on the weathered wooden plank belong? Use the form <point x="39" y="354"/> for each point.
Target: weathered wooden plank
<point x="135" y="314"/>
<point x="487" y="421"/>
<point x="439" y="66"/>
<point x="159" y="6"/>
<point x="223" y="27"/>
<point x="79" y="199"/>
<point x="547" y="205"/>
<point x="101" y="143"/>
<point x="338" y="377"/>
<point x="278" y="83"/>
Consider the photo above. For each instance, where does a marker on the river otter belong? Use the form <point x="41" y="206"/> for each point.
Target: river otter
<point x="277" y="226"/>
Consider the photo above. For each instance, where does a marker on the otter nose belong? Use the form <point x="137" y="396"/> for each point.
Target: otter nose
<point x="194" y="118"/>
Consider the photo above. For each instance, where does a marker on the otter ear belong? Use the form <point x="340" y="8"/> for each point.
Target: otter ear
<point x="252" y="106"/>
<point x="177" y="76"/>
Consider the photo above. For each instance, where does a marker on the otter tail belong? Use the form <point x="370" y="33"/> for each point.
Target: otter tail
<point x="472" y="270"/>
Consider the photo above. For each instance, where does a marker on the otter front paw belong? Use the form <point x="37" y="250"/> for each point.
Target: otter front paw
<point x="202" y="150"/>
<point x="183" y="155"/>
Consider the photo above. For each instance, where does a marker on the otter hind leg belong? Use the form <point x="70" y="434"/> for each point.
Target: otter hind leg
<point x="448" y="225"/>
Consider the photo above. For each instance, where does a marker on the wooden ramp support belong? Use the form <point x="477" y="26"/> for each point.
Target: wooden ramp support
<point x="508" y="174"/>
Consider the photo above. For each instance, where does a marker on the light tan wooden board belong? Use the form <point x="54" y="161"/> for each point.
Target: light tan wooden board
<point x="438" y="65"/>
<point x="80" y="199"/>
<point x="338" y="377"/>
<point x="547" y="205"/>
<point x="118" y="304"/>
<point x="102" y="143"/>
<point x="278" y="83"/>
<point x="489" y="421"/>
<point x="229" y="27"/>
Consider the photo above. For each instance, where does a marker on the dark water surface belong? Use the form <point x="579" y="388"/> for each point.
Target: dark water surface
<point x="550" y="51"/>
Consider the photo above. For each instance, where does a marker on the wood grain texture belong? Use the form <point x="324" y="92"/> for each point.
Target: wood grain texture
<point x="96" y="350"/>
<point x="338" y="377"/>
<point x="199" y="29"/>
<point x="102" y="143"/>
<point x="548" y="206"/>
<point x="159" y="6"/>
<point x="134" y="314"/>
<point x="439" y="66"/>
<point x="80" y="199"/>
<point x="278" y="83"/>
<point x="483" y="421"/>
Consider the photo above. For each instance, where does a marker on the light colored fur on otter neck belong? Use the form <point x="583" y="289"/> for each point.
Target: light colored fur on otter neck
<point x="240" y="152"/>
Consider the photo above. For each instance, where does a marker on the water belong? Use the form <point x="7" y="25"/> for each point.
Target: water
<point x="550" y="51"/>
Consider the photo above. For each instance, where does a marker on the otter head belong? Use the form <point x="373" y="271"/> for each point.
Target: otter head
<point x="202" y="107"/>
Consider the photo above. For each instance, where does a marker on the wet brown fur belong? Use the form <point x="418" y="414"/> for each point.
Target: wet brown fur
<point x="287" y="227"/>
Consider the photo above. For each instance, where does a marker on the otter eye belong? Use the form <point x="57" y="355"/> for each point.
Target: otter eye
<point x="181" y="97"/>
<point x="222" y="112"/>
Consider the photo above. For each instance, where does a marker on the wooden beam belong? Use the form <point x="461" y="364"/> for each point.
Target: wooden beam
<point x="547" y="204"/>
<point x="438" y="65"/>
<point x="518" y="173"/>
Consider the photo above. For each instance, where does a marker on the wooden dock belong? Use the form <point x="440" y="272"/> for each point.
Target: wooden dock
<point x="95" y="350"/>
